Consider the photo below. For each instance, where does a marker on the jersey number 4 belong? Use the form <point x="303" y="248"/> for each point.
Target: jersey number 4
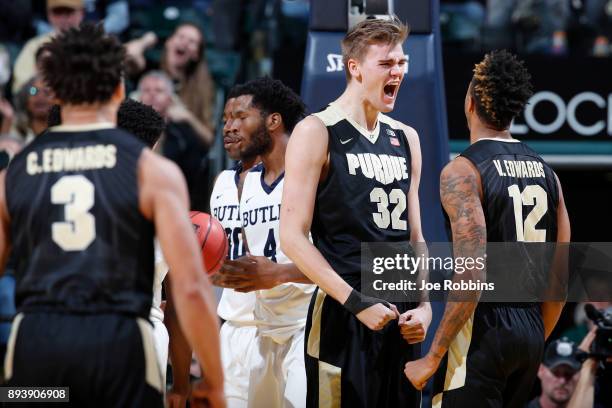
<point x="532" y="195"/>
<point x="383" y="218"/>
<point x="76" y="194"/>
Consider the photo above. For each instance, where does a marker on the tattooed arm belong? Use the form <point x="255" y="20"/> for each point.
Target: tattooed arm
<point x="460" y="192"/>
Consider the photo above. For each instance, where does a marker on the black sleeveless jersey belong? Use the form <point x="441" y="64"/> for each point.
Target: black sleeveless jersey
<point x="363" y="197"/>
<point x="520" y="194"/>
<point x="79" y="239"/>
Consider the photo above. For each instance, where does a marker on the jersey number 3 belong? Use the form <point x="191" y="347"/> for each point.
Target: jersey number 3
<point x="78" y="230"/>
<point x="532" y="195"/>
<point x="383" y="217"/>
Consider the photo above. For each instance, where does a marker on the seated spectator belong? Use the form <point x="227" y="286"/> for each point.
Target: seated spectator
<point x="62" y="14"/>
<point x="533" y="26"/>
<point x="183" y="61"/>
<point x="32" y="104"/>
<point x="180" y="141"/>
<point x="558" y="375"/>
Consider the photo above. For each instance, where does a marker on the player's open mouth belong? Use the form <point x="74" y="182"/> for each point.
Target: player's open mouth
<point x="390" y="90"/>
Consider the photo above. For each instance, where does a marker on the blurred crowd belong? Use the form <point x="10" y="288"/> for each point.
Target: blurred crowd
<point x="182" y="56"/>
<point x="553" y="27"/>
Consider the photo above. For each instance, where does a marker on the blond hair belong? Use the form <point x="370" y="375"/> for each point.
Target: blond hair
<point x="368" y="32"/>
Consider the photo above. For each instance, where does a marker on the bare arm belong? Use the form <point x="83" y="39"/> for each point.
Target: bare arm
<point x="5" y="238"/>
<point x="414" y="323"/>
<point x="305" y="159"/>
<point x="163" y="198"/>
<point x="250" y="273"/>
<point x="180" y="113"/>
<point x="460" y="193"/>
<point x="551" y="310"/>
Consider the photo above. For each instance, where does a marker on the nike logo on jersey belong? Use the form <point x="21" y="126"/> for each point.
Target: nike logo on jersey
<point x="384" y="168"/>
<point x="346" y="141"/>
<point x="247" y="200"/>
<point x="217" y="196"/>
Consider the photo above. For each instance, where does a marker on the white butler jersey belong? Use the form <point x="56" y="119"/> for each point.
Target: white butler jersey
<point x="224" y="206"/>
<point x="280" y="311"/>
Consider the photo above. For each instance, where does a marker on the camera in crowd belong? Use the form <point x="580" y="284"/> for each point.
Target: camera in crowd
<point x="601" y="348"/>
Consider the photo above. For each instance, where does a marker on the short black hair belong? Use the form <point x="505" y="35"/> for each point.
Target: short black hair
<point x="83" y="65"/>
<point x="137" y="118"/>
<point x="501" y="87"/>
<point x="270" y="96"/>
<point x="140" y="120"/>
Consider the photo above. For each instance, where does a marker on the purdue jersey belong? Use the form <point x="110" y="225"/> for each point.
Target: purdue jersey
<point x="520" y="194"/>
<point x="233" y="306"/>
<point x="79" y="239"/>
<point x="363" y="197"/>
<point x="280" y="311"/>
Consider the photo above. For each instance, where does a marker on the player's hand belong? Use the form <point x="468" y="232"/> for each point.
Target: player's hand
<point x="203" y="396"/>
<point x="176" y="400"/>
<point x="419" y="371"/>
<point x="377" y="316"/>
<point x="250" y="273"/>
<point x="414" y="324"/>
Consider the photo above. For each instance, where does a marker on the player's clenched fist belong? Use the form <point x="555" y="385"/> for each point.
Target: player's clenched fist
<point x="419" y="371"/>
<point x="376" y="317"/>
<point x="414" y="323"/>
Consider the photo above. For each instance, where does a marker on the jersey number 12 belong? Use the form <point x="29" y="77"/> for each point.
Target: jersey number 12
<point x="532" y="195"/>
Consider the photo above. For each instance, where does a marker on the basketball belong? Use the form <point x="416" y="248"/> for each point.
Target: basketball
<point x="212" y="239"/>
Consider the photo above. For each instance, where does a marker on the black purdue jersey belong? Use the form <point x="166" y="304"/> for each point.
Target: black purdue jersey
<point x="520" y="194"/>
<point x="363" y="197"/>
<point x="79" y="239"/>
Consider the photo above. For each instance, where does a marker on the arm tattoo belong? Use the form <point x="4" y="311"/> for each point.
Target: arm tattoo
<point x="461" y="200"/>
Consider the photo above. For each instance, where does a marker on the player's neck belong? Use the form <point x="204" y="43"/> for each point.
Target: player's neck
<point x="38" y="126"/>
<point x="274" y="160"/>
<point x="480" y="131"/>
<point x="88" y="114"/>
<point x="353" y="104"/>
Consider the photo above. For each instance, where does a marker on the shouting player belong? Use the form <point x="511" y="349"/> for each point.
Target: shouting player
<point x="80" y="206"/>
<point x="493" y="350"/>
<point x="335" y="184"/>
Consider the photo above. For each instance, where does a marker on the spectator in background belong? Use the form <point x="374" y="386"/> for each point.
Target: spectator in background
<point x="32" y="104"/>
<point x="180" y="143"/>
<point x="184" y="62"/>
<point x="558" y="375"/>
<point x="532" y="26"/>
<point x="62" y="14"/>
<point x="461" y="21"/>
<point x="114" y="15"/>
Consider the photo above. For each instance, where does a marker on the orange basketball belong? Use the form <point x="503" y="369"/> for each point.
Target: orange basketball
<point x="212" y="239"/>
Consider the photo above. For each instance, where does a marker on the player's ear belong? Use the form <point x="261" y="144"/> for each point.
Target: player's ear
<point x="119" y="93"/>
<point x="353" y="67"/>
<point x="274" y="121"/>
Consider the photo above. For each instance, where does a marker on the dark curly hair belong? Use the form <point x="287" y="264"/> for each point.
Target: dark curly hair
<point x="501" y="87"/>
<point x="83" y="65"/>
<point x="137" y="118"/>
<point x="272" y="96"/>
<point x="140" y="120"/>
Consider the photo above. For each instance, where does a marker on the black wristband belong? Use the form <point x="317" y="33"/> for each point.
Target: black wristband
<point x="357" y="302"/>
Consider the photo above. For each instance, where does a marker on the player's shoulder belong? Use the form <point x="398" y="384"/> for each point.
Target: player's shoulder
<point x="459" y="167"/>
<point x="158" y="169"/>
<point x="329" y="116"/>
